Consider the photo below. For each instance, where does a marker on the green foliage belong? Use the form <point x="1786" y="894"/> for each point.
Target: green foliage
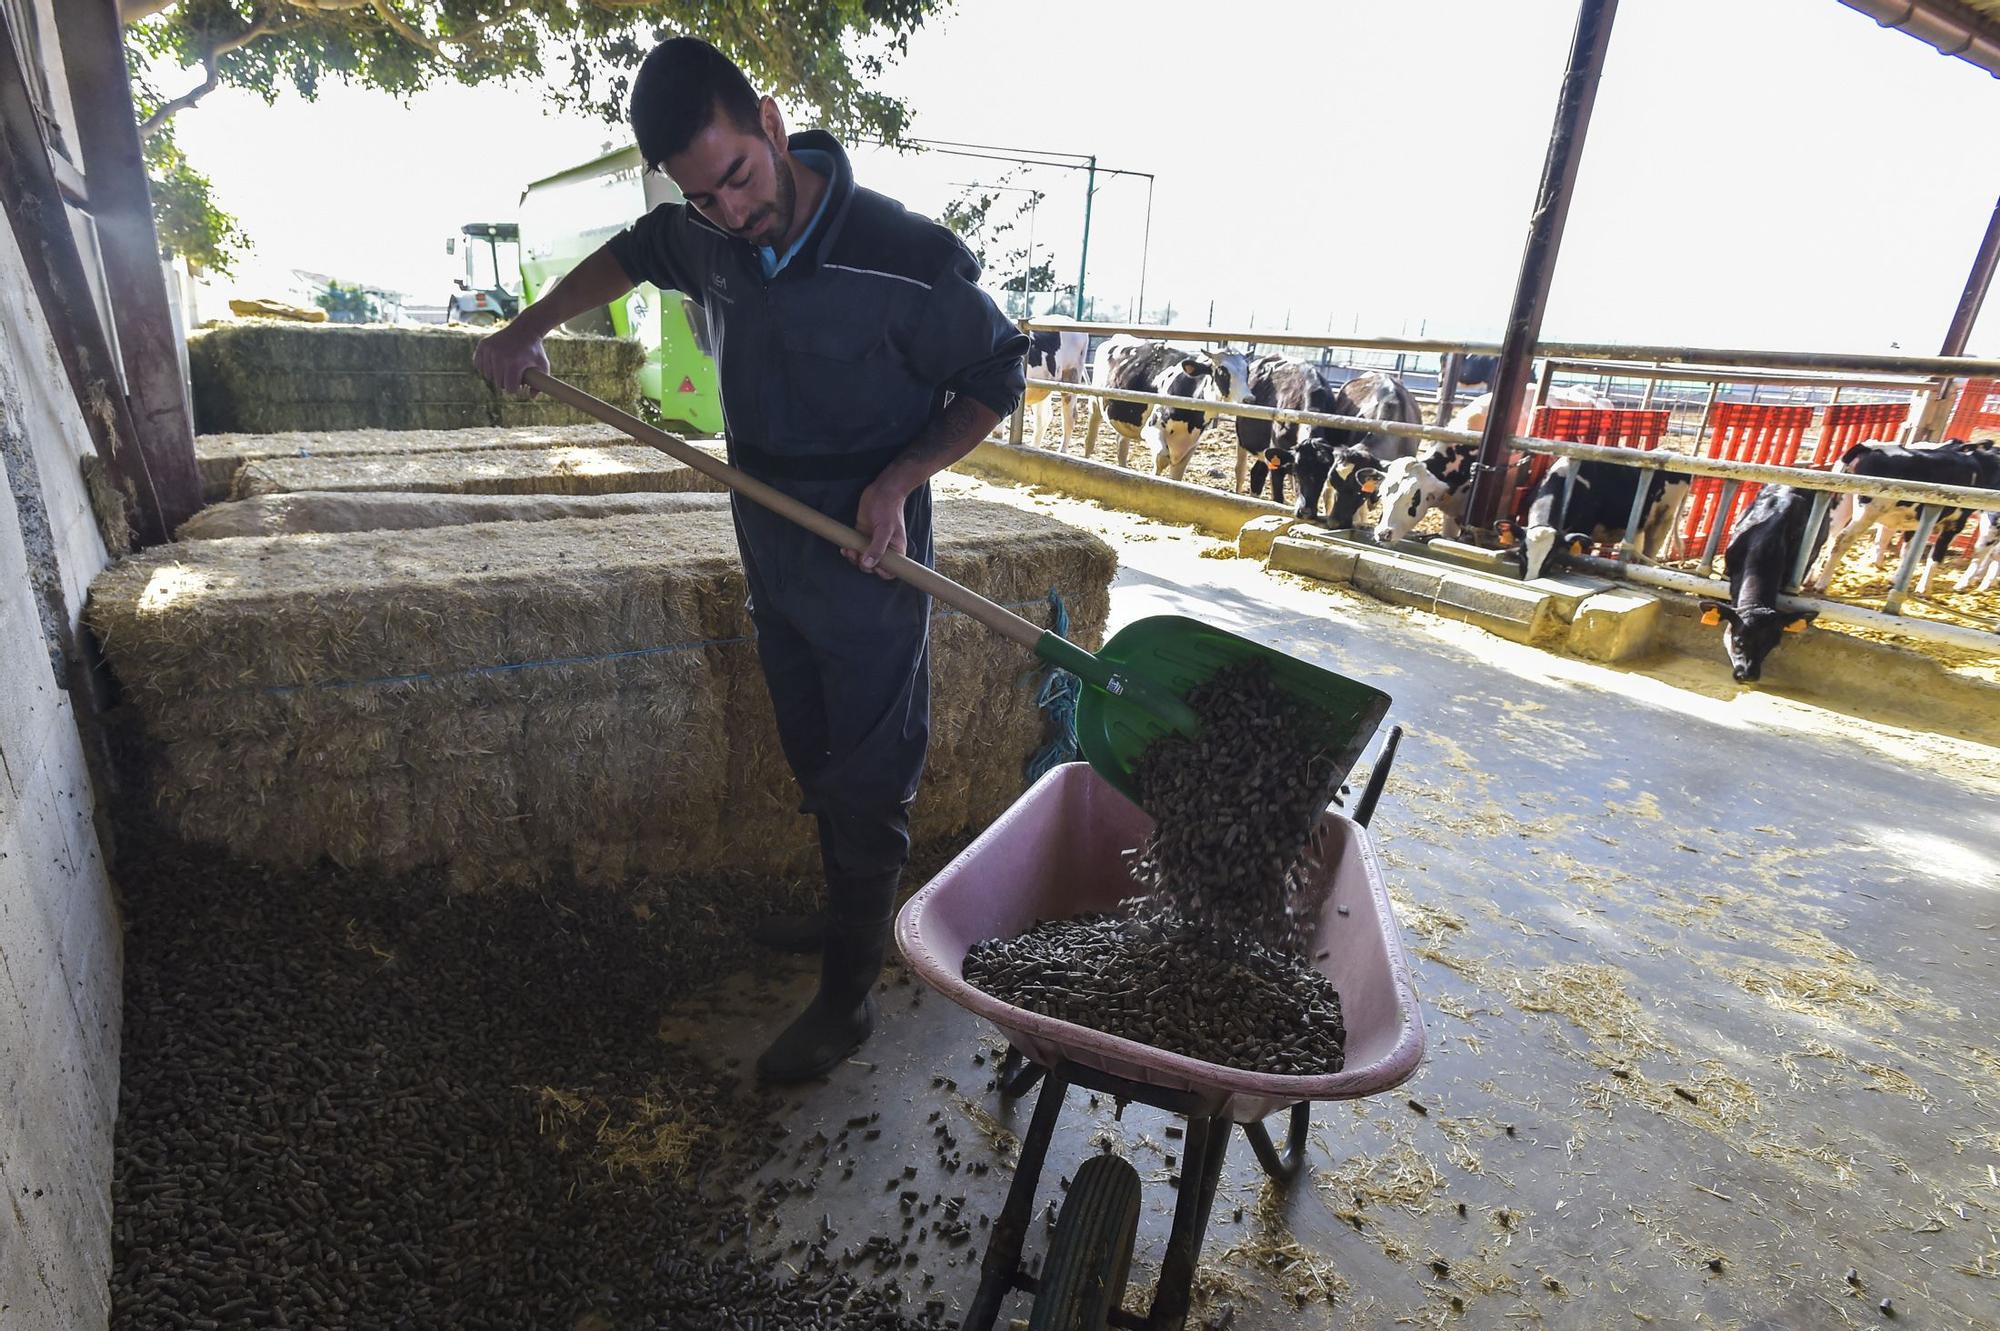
<point x="970" y="217"/>
<point x="346" y="304"/>
<point x="821" y="54"/>
<point x="185" y="215"/>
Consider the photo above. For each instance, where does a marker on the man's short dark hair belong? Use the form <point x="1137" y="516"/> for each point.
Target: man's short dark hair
<point x="680" y="89"/>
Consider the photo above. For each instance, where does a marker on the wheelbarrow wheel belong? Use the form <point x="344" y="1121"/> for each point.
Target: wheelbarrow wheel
<point x="1091" y="1254"/>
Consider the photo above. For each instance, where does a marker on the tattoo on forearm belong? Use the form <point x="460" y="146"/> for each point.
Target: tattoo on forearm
<point x="950" y="435"/>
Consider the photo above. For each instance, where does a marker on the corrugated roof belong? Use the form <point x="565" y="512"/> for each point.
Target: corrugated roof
<point x="1967" y="29"/>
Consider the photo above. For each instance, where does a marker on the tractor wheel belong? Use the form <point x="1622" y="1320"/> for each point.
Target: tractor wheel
<point x="482" y="318"/>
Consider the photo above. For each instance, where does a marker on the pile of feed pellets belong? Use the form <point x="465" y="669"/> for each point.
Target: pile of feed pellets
<point x="1211" y="958"/>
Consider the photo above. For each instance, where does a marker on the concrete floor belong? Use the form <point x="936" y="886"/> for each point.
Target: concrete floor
<point x="1709" y="980"/>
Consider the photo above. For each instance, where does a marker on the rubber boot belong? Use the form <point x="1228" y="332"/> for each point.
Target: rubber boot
<point x="803" y="934"/>
<point x="860" y="911"/>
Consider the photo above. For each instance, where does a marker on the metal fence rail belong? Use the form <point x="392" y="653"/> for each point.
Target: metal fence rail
<point x="1827" y="486"/>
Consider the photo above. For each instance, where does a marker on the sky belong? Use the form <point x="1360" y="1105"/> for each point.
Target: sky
<point x="1759" y="173"/>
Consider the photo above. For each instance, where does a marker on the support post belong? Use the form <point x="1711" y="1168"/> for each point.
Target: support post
<point x="1538" y="257"/>
<point x="1927" y="517"/>
<point x="1447" y="386"/>
<point x="93" y="52"/>
<point x="1977" y="283"/>
<point x="1083" y="262"/>
<point x="1822" y="500"/>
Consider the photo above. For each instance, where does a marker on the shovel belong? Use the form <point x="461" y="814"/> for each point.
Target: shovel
<point x="1138" y="682"/>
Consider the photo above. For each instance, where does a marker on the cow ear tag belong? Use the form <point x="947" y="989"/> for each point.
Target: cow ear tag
<point x="1713" y="617"/>
<point x="1797" y="626"/>
<point x="1368" y="487"/>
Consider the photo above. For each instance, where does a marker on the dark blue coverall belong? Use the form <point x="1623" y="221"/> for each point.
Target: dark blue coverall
<point x="829" y="371"/>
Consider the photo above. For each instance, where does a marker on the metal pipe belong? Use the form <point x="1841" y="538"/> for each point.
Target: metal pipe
<point x="1977" y="283"/>
<point x="1958" y="496"/>
<point x="1083" y="261"/>
<point x="1145" y="250"/>
<point x="1714" y="542"/>
<point x="1927" y="517"/>
<point x="1833" y="612"/>
<point x="1809" y="539"/>
<point x="1929" y="367"/>
<point x="1640" y="493"/>
<point x="1706" y="374"/>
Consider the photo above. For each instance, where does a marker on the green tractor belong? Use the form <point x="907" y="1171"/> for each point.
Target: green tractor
<point x="490" y="291"/>
<point x="564" y="219"/>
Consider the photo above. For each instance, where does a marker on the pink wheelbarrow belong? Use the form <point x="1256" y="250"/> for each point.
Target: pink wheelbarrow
<point x="1056" y="853"/>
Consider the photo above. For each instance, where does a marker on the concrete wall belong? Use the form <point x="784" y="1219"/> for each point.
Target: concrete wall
<point x="59" y="936"/>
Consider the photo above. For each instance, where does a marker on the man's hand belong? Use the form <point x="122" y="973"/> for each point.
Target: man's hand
<point x="879" y="517"/>
<point x="503" y="356"/>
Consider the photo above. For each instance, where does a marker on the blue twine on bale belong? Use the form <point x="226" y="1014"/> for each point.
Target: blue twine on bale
<point x="1057" y="698"/>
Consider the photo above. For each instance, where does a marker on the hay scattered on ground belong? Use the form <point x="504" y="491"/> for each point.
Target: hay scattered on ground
<point x="511" y="698"/>
<point x="266" y="376"/>
<point x="652" y="1136"/>
<point x="219" y="456"/>
<point x="1594" y="998"/>
<point x="312" y="511"/>
<point x="1401" y="1176"/>
<point x="998" y="1135"/>
<point x="566" y="470"/>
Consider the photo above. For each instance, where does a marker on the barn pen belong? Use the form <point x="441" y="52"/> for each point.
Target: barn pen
<point x="375" y="870"/>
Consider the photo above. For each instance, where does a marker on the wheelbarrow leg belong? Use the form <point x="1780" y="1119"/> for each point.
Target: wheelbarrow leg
<point x="1018" y="1074"/>
<point x="1010" y="1229"/>
<point x="1201" y="1172"/>
<point x="1286" y="1166"/>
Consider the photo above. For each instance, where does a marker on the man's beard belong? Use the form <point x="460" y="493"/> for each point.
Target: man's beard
<point x="784" y="209"/>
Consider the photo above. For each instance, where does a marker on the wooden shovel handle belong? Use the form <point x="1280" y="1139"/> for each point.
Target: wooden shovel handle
<point x="927" y="580"/>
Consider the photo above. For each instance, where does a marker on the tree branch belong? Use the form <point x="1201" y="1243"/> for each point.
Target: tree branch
<point x="166" y="110"/>
<point x="131" y="11"/>
<point x="258" y="27"/>
<point x="404" y="30"/>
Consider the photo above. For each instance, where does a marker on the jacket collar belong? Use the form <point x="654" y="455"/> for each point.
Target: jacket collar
<point x="840" y="194"/>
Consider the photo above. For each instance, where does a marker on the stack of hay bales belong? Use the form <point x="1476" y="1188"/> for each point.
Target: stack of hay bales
<point x="517" y="698"/>
<point x="220" y="456"/>
<point x="310" y="511"/>
<point x="266" y="375"/>
<point x="592" y="469"/>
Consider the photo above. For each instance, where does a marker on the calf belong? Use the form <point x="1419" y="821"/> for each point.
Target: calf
<point x="1329" y="453"/>
<point x="1137" y="365"/>
<point x="1053" y="359"/>
<point x="1761" y="555"/>
<point x="1595" y="510"/>
<point x="1952" y="463"/>
<point x="1438" y="477"/>
<point x="1985" y="555"/>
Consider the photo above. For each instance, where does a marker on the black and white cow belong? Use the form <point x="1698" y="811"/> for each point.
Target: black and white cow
<point x="1438" y="476"/>
<point x="1598" y="507"/>
<point x="1278" y="381"/>
<point x="1171" y="433"/>
<point x="1761" y="555"/>
<point x="1986" y="546"/>
<point x="1954" y="463"/>
<point x="1328" y="456"/>
<point x="1054" y="359"/>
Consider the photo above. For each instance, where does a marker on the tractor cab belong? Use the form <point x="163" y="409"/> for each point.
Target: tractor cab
<point x="489" y="290"/>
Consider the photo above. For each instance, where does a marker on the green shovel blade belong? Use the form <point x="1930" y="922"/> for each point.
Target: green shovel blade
<point x="1156" y="661"/>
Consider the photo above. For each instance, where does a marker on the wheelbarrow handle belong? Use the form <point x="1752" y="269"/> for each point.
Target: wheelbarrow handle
<point x="927" y="580"/>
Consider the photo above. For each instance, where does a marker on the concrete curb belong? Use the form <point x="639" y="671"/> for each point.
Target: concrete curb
<point x="1212" y="511"/>
<point x="1579" y="615"/>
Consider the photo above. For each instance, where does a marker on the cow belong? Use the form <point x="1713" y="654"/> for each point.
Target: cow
<point x="1054" y="359"/>
<point x="1953" y="463"/>
<point x="1985" y="555"/>
<point x="1986" y="456"/>
<point x="1134" y="364"/>
<point x="1343" y="457"/>
<point x="1596" y="508"/>
<point x="1440" y="474"/>
<point x="1762" y="552"/>
<point x="1293" y="385"/>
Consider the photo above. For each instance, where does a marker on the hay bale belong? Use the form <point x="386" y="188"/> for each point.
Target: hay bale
<point x="265" y="376"/>
<point x="220" y="455"/>
<point x="593" y="469"/>
<point x="518" y="698"/>
<point x="312" y="511"/>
